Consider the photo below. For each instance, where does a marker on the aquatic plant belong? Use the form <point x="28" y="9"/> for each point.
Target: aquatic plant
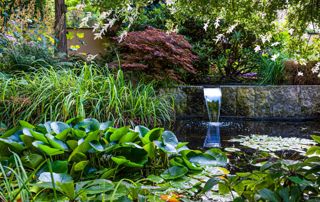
<point x="64" y="158"/>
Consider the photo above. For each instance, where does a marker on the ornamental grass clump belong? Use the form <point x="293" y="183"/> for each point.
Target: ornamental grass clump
<point x="50" y="94"/>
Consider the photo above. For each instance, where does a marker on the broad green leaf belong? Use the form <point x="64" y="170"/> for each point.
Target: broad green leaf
<point x="167" y="148"/>
<point x="39" y="136"/>
<point x="72" y="144"/>
<point x="169" y="138"/>
<point x="150" y="149"/>
<point x="121" y="160"/>
<point x="64" y="134"/>
<point x="58" y="127"/>
<point x="223" y="188"/>
<point x="129" y="137"/>
<point x="155" y="179"/>
<point x="57" y="177"/>
<point x="18" y="146"/>
<point x="96" y="145"/>
<point x="46" y="149"/>
<point x="98" y="186"/>
<point x="269" y="195"/>
<point x="316" y="138"/>
<point x="141" y="130"/>
<point x="26" y="124"/>
<point x="152" y="135"/>
<point x="81" y="165"/>
<point x="106" y="125"/>
<point x="174" y="172"/>
<point x="32" y="160"/>
<point x="119" y="133"/>
<point x="210" y="184"/>
<point x="55" y="143"/>
<point x="88" y="125"/>
<point x="108" y="173"/>
<point x="67" y="188"/>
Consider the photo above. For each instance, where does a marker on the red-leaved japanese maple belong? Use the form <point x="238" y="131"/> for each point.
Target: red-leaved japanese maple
<point x="157" y="53"/>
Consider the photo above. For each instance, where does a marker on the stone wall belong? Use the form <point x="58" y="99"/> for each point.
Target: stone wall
<point x="253" y="102"/>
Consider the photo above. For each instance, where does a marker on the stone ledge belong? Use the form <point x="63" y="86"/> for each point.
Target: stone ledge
<point x="254" y="102"/>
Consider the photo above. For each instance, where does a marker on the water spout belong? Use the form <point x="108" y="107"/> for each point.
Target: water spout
<point x="213" y="103"/>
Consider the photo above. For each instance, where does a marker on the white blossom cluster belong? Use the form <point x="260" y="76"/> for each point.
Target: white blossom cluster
<point x="316" y="68"/>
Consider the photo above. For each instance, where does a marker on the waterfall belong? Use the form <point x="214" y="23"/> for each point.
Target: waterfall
<point x="213" y="103"/>
<point x="212" y="98"/>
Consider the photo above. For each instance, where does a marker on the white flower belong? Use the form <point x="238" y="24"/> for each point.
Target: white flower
<point x="170" y="2"/>
<point x="122" y="36"/>
<point x="80" y="7"/>
<point x="232" y="28"/>
<point x="275" y="56"/>
<point x="305" y="36"/>
<point x="205" y="26"/>
<point x="318" y="75"/>
<point x="91" y="57"/>
<point x="316" y="68"/>
<point x="300" y="73"/>
<point x="95" y="27"/>
<point x="265" y="38"/>
<point x="217" y="23"/>
<point x="219" y="37"/>
<point x="263" y="15"/>
<point x="291" y="31"/>
<point x="257" y="49"/>
<point x="98" y="35"/>
<point x="275" y="44"/>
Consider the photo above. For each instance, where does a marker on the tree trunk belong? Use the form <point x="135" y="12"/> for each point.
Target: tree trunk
<point x="60" y="26"/>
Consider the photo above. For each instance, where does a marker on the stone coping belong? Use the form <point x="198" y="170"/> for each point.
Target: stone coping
<point x="296" y="102"/>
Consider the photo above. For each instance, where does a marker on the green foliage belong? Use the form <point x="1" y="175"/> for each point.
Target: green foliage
<point x="50" y="94"/>
<point x="28" y="50"/>
<point x="279" y="180"/>
<point x="64" y="158"/>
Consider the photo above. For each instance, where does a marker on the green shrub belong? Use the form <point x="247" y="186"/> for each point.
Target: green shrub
<point x="50" y="94"/>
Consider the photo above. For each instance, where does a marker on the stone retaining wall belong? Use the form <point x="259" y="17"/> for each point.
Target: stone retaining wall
<point x="253" y="102"/>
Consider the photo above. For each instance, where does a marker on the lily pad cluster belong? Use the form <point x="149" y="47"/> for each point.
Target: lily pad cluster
<point x="66" y="157"/>
<point x="273" y="144"/>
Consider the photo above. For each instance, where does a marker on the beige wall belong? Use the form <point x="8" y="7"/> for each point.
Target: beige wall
<point x="87" y="44"/>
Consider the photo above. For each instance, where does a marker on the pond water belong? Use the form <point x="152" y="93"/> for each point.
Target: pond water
<point x="196" y="131"/>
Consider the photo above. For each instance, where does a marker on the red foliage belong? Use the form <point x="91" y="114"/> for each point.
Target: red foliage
<point x="157" y="53"/>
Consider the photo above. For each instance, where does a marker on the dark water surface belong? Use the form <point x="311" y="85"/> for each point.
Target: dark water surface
<point x="195" y="131"/>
